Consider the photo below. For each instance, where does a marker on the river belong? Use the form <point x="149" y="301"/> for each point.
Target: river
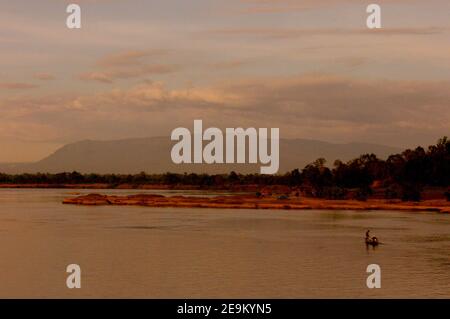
<point x="147" y="252"/>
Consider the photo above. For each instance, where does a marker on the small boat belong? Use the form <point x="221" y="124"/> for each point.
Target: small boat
<point x="372" y="241"/>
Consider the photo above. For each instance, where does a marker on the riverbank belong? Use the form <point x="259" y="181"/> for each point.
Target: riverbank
<point x="254" y="202"/>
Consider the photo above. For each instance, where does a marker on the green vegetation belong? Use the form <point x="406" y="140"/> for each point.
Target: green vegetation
<point x="401" y="176"/>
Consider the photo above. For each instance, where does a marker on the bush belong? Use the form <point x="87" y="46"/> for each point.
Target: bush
<point x="447" y="195"/>
<point x="392" y="192"/>
<point x="363" y="193"/>
<point x="335" y="192"/>
<point x="411" y="193"/>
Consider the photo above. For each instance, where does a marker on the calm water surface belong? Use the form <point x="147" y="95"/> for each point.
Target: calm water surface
<point x="186" y="253"/>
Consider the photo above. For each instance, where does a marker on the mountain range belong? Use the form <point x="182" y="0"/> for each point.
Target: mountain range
<point x="152" y="155"/>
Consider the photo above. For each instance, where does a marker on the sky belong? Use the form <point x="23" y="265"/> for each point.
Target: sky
<point x="143" y="68"/>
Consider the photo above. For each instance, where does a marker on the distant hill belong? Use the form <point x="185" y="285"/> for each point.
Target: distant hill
<point x="152" y="155"/>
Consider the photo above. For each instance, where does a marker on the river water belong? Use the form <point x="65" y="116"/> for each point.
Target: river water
<point x="149" y="252"/>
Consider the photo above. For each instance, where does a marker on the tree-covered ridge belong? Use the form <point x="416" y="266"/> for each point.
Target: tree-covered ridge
<point x="401" y="176"/>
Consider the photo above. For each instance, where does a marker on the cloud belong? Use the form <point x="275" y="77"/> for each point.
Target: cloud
<point x="232" y="64"/>
<point x="97" y="76"/>
<point x="17" y="86"/>
<point x="287" y="6"/>
<point x="44" y="76"/>
<point x="128" y="58"/>
<point x="128" y="64"/>
<point x="326" y="107"/>
<point x="352" y="61"/>
<point x="285" y="33"/>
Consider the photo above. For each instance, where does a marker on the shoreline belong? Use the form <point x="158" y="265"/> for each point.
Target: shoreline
<point x="230" y="188"/>
<point x="254" y="202"/>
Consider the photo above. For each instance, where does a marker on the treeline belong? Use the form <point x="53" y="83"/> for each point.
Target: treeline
<point x="401" y="176"/>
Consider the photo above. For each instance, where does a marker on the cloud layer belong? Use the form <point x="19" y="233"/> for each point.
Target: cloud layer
<point x="313" y="106"/>
<point x="128" y="64"/>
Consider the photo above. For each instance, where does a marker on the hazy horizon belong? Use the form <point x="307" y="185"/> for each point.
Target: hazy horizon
<point x="167" y="138"/>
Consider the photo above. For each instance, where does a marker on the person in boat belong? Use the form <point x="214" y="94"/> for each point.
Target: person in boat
<point x="371" y="240"/>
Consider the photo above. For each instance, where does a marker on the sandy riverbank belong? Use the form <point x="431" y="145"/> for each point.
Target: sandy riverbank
<point x="253" y="202"/>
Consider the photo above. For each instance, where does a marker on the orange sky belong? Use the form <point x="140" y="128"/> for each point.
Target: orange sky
<point x="143" y="68"/>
